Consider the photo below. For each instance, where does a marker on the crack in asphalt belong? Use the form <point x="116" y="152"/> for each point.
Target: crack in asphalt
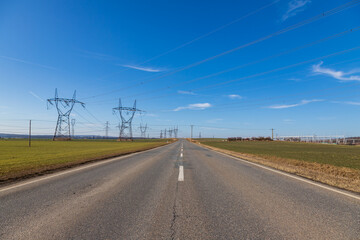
<point x="173" y="221"/>
<point x="175" y="215"/>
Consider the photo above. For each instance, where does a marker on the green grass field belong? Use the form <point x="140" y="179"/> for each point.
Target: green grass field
<point x="337" y="155"/>
<point x="17" y="159"/>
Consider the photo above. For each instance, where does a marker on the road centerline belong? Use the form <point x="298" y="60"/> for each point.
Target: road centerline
<point x="181" y="174"/>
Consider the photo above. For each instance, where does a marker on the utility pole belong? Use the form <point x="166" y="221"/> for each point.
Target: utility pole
<point x="191" y="136"/>
<point x="161" y="135"/>
<point x="107" y="129"/>
<point x="126" y="123"/>
<point x="272" y="134"/>
<point x="64" y="107"/>
<point x="30" y="133"/>
<point x="73" y="127"/>
<point x="165" y="133"/>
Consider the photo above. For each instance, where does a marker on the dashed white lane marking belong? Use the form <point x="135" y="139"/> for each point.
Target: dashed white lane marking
<point x="181" y="155"/>
<point x="293" y="176"/>
<point x="181" y="174"/>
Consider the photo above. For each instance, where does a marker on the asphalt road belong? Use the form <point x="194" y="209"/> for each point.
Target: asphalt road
<point x="167" y="193"/>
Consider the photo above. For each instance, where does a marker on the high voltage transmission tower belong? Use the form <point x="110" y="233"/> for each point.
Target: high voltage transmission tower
<point x="170" y="133"/>
<point x="143" y="130"/>
<point x="126" y="121"/>
<point x="73" y="121"/>
<point x="176" y="130"/>
<point x="161" y="134"/>
<point x="165" y="133"/>
<point x="64" y="107"/>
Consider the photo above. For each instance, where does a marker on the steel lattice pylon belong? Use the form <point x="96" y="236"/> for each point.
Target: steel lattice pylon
<point x="143" y="130"/>
<point x="176" y="130"/>
<point x="64" y="107"/>
<point x="126" y="122"/>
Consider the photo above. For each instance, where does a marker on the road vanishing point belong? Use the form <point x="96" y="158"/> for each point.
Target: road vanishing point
<point x="178" y="191"/>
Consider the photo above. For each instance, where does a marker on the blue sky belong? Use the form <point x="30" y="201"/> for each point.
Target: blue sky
<point x="231" y="68"/>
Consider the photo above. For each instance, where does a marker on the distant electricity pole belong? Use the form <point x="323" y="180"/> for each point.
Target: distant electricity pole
<point x="107" y="129"/>
<point x="143" y="130"/>
<point x="165" y="133"/>
<point x="161" y="134"/>
<point x="30" y="133"/>
<point x="64" y="107"/>
<point x="126" y="123"/>
<point x="191" y="136"/>
<point x="73" y="121"/>
<point x="170" y="133"/>
<point x="272" y="134"/>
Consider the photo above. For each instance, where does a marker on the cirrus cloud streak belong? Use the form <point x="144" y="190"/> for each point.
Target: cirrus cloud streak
<point x="303" y="102"/>
<point x="144" y="69"/>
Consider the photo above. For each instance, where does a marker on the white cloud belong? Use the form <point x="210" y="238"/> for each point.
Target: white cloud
<point x="186" y="92"/>
<point x="145" y="69"/>
<point x="340" y="75"/>
<point x="294" y="7"/>
<point x="36" y="96"/>
<point x="195" y="106"/>
<point x="235" y="96"/>
<point x="353" y="103"/>
<point x="303" y="102"/>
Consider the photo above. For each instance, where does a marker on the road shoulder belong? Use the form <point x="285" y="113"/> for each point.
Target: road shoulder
<point x="342" y="178"/>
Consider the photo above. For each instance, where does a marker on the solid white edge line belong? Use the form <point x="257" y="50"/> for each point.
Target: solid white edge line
<point x="181" y="174"/>
<point x="291" y="176"/>
<point x="90" y="165"/>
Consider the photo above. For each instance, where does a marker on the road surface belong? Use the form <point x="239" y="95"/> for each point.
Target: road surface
<point x="170" y="193"/>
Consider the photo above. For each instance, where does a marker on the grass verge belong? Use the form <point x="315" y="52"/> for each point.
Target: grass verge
<point x="17" y="160"/>
<point x="337" y="166"/>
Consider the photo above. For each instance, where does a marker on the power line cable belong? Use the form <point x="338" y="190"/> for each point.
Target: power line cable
<point x="190" y="42"/>
<point x="261" y="60"/>
<point x="277" y="33"/>
<point x="284" y="68"/>
<point x="267" y="72"/>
